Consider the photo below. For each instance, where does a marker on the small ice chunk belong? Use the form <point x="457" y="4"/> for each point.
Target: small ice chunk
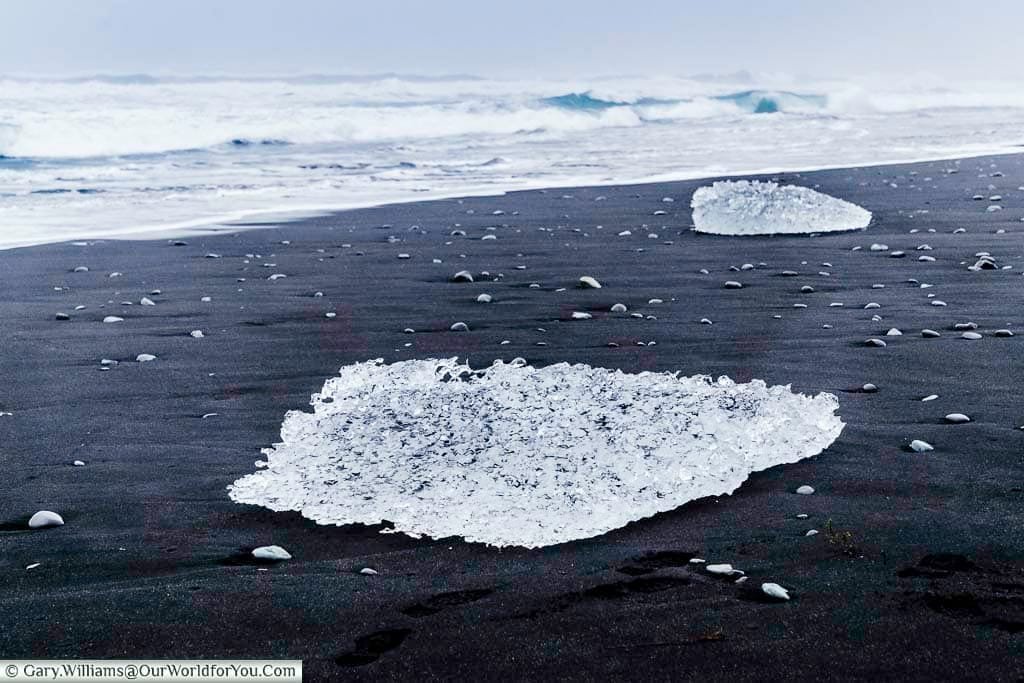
<point x="747" y="207"/>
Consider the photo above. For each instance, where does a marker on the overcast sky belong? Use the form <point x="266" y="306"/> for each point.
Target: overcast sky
<point x="537" y="38"/>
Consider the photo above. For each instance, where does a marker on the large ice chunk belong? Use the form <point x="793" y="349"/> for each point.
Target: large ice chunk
<point x="752" y="207"/>
<point x="517" y="455"/>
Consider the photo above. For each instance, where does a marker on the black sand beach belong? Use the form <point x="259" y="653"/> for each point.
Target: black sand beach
<point x="917" y="572"/>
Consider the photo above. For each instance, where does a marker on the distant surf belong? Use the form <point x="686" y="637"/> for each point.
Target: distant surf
<point x="115" y="156"/>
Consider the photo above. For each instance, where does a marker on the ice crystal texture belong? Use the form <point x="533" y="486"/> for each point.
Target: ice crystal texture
<point x="751" y="207"/>
<point x="520" y="456"/>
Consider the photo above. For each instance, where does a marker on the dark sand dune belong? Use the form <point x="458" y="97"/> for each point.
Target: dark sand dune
<point x="917" y="574"/>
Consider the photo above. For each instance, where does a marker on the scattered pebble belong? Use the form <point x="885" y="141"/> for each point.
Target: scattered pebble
<point x="45" y="518"/>
<point x="774" y="590"/>
<point x="274" y="553"/>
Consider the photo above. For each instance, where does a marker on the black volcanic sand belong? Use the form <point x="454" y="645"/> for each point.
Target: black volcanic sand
<point x="921" y="577"/>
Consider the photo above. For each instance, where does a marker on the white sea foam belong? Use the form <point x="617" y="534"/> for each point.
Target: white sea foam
<point x="745" y="207"/>
<point x="516" y="455"/>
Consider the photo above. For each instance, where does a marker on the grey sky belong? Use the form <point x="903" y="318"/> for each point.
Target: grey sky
<point x="537" y="38"/>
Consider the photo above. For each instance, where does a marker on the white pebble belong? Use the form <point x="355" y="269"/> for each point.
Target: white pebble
<point x="45" y="518"/>
<point x="774" y="590"/>
<point x="271" y="552"/>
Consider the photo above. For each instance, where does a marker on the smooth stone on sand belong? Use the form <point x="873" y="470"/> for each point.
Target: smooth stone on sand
<point x="619" y="308"/>
<point x="973" y="336"/>
<point x="938" y="303"/>
<point x="732" y="284"/>
<point x="719" y="568"/>
<point x="588" y="282"/>
<point x="274" y="553"/>
<point x="580" y="315"/>
<point x="462" y="276"/>
<point x="930" y="333"/>
<point x="869" y="388"/>
<point x="875" y="342"/>
<point x="929" y="397"/>
<point x="78" y="463"/>
<point x="774" y="590"/>
<point x="62" y="316"/>
<point x="113" y="319"/>
<point x="368" y="571"/>
<point x="960" y="327"/>
<point x="1003" y="333"/>
<point x="957" y="418"/>
<point x="484" y="299"/>
<point x="805" y="490"/>
<point x="459" y="327"/>
<point x="45" y="518"/>
<point x="919" y="446"/>
<point x="145" y="357"/>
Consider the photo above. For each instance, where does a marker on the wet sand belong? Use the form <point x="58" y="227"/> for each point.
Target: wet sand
<point x="921" y="577"/>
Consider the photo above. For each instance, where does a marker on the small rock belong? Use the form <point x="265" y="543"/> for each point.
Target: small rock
<point x="919" y="446"/>
<point x="588" y="282"/>
<point x="274" y="553"/>
<point x="113" y="319"/>
<point x="368" y="571"/>
<point x="145" y="357"/>
<point x="462" y="276"/>
<point x="459" y="327"/>
<point x="957" y="418"/>
<point x="774" y="590"/>
<point x="619" y="308"/>
<point x="45" y="518"/>
<point x="805" y="490"/>
<point x="484" y="299"/>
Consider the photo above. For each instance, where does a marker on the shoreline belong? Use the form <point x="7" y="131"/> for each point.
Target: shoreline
<point x="254" y="220"/>
<point x="153" y="558"/>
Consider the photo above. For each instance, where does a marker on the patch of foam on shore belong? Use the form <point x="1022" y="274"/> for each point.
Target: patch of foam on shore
<point x="745" y="207"/>
<point x="520" y="456"/>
